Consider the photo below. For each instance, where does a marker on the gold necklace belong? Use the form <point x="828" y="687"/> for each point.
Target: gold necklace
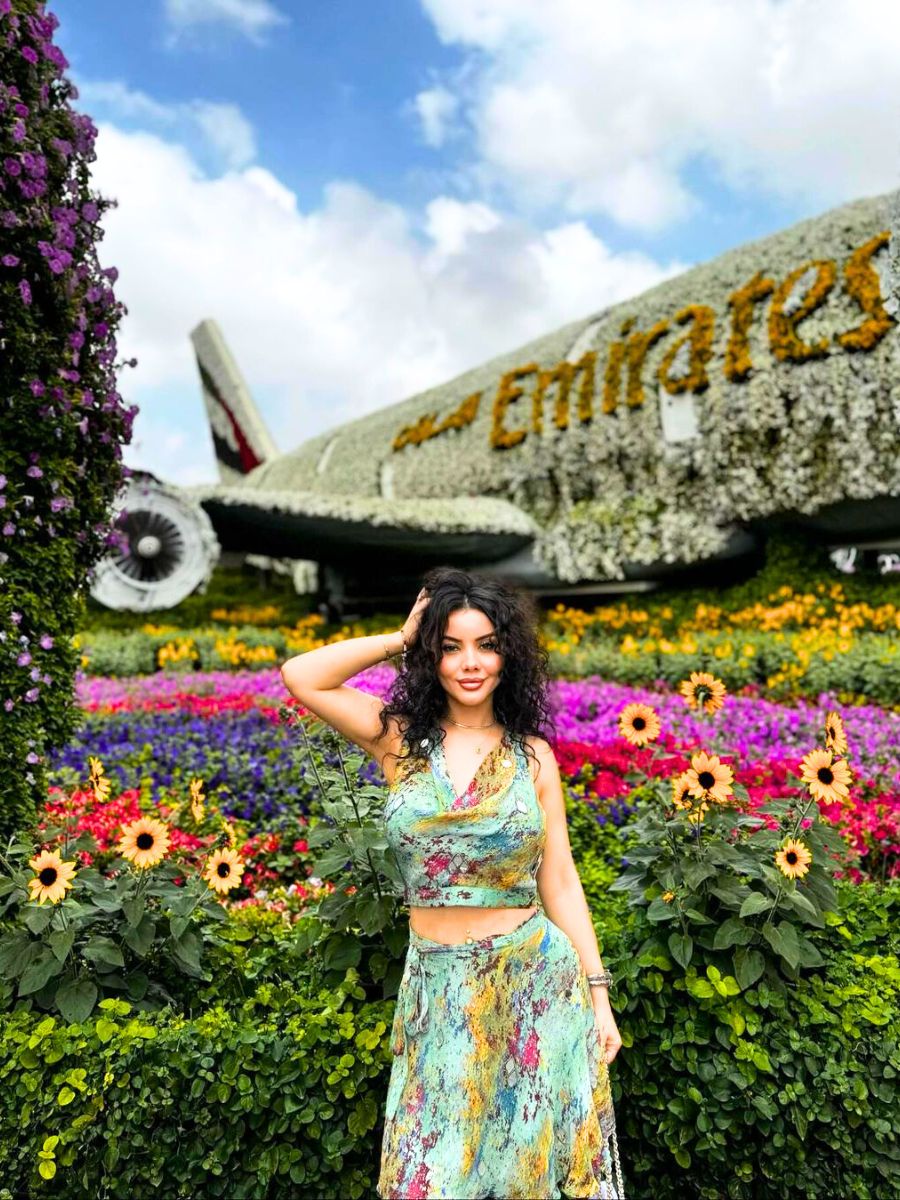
<point x="459" y="723"/>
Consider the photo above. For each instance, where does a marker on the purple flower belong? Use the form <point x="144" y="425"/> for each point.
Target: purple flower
<point x="9" y="529"/>
<point x="12" y="166"/>
<point x="2" y="502"/>
<point x="37" y="388"/>
<point x="16" y="618"/>
<point x="32" y="695"/>
<point x="35" y="674"/>
<point x="58" y="503"/>
<point x="18" y="131"/>
<point x="29" y="54"/>
<point x="46" y="642"/>
<point x="32" y="758"/>
<point x="8" y="705"/>
<point x="89" y="211"/>
<point x="25" y="291"/>
<point x="24" y="659"/>
<point x="2" y="482"/>
<point x="34" y="473"/>
<point x="10" y="260"/>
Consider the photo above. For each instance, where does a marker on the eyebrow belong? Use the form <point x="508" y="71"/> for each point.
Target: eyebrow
<point x="448" y="637"/>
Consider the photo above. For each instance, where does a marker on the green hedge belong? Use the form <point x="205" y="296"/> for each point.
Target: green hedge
<point x="280" y="1096"/>
<point x="869" y="669"/>
<point x="770" y="1092"/>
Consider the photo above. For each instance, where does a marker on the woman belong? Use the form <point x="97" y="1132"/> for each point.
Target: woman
<point x="503" y="1028"/>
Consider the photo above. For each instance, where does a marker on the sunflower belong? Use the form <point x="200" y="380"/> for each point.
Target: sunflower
<point x="709" y="779"/>
<point x="685" y="801"/>
<point x="223" y="870"/>
<point x="639" y="724"/>
<point x="681" y="793"/>
<point x="145" y="842"/>
<point x="703" y="690"/>
<point x="793" y="858"/>
<point x="827" y="778"/>
<point x="99" y="783"/>
<point x="197" y="798"/>
<point x="52" y="878"/>
<point x="835" y="738"/>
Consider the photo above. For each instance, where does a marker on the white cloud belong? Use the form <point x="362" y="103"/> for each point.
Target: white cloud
<point x="330" y="313"/>
<point x="222" y="127"/>
<point x="606" y="107"/>
<point x="227" y="130"/>
<point x="436" y="108"/>
<point x="252" y="18"/>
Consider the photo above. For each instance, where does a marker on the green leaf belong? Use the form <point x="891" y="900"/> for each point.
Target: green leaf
<point x="105" y="1029"/>
<point x="730" y="932"/>
<point x="695" y="873"/>
<point x="177" y="926"/>
<point x="65" y="1096"/>
<point x="783" y="940"/>
<point x="104" y="953"/>
<point x="60" y="942"/>
<point x="39" y="916"/>
<point x="341" y="951"/>
<point x="44" y="967"/>
<point x="802" y="904"/>
<point x="756" y="902"/>
<point x="681" y="946"/>
<point x="187" y="950"/>
<point x="363" y="1117"/>
<point x="659" y="910"/>
<point x="141" y="939"/>
<point x="134" y="910"/>
<point x="76" y="1000"/>
<point x="47" y="1168"/>
<point x="748" y="966"/>
<point x="809" y="954"/>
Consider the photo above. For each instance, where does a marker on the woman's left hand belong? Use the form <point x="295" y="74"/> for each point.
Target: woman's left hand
<point x="608" y="1035"/>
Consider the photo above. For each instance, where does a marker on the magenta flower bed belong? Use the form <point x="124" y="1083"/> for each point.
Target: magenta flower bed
<point x="763" y="741"/>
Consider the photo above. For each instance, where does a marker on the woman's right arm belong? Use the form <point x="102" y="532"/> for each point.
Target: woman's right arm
<point x="317" y="677"/>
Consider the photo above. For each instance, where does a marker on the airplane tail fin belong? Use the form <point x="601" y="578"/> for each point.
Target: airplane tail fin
<point x="240" y="439"/>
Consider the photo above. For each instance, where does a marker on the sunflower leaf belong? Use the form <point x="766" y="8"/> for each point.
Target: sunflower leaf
<point x="61" y="941"/>
<point x="38" y="917"/>
<point x="76" y="999"/>
<point x="44" y="967"/>
<point x="104" y="953"/>
<point x="748" y="966"/>
<point x="134" y="910"/>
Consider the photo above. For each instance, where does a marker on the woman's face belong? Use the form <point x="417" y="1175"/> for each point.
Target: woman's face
<point x="469" y="651"/>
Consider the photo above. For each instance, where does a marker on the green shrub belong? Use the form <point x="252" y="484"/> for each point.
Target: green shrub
<point x="280" y="1096"/>
<point x="766" y="1092"/>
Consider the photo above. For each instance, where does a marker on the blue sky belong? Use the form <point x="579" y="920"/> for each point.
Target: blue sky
<point x="371" y="197"/>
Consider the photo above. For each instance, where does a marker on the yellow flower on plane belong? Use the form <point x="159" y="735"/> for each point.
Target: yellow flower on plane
<point x="52" y="878"/>
<point x="835" y="738"/>
<point x="639" y="724"/>
<point x="224" y="870"/>
<point x="709" y="779"/>
<point x="144" y="842"/>
<point x="793" y="858"/>
<point x="826" y="777"/>
<point x="703" y="690"/>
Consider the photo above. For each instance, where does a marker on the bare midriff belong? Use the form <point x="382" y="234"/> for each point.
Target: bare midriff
<point x="456" y="923"/>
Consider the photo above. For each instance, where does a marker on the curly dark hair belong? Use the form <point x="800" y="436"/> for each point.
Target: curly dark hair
<point x="417" y="697"/>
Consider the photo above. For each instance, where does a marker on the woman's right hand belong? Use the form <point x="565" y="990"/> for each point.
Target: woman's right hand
<point x="410" y="626"/>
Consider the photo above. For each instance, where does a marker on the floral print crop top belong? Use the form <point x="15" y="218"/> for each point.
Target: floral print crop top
<point x="482" y="848"/>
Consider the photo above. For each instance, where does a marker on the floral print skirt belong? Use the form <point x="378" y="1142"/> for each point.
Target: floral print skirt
<point x="498" y="1086"/>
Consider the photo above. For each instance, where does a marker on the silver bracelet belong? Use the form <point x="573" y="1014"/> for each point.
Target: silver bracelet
<point x="601" y="979"/>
